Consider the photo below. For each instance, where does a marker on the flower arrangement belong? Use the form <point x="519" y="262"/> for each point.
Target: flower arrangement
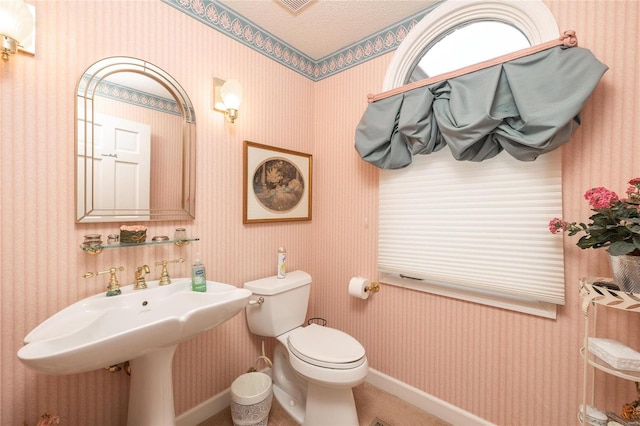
<point x="615" y="224"/>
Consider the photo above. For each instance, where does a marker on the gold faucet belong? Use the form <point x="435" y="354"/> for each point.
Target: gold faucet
<point x="164" y="274"/>
<point x="141" y="271"/>
<point x="113" y="288"/>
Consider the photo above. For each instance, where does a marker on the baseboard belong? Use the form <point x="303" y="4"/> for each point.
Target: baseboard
<point x="424" y="401"/>
<point x="203" y="411"/>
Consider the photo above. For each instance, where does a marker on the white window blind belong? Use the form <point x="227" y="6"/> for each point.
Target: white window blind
<point x="479" y="227"/>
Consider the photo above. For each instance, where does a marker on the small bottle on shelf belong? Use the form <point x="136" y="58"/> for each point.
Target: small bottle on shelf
<point x="198" y="276"/>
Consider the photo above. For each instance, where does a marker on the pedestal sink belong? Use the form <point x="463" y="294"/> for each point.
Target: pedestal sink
<point x="140" y="326"/>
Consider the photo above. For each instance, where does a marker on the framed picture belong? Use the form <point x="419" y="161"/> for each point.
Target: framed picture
<point x="277" y="184"/>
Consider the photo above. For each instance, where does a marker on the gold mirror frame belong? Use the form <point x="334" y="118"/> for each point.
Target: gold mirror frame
<point x="176" y="204"/>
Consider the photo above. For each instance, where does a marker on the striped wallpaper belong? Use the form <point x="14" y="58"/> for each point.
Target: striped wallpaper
<point x="509" y="368"/>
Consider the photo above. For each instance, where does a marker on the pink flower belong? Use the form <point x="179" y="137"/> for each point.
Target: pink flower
<point x="133" y="228"/>
<point x="614" y="225"/>
<point x="557" y="225"/>
<point x="634" y="181"/>
<point x="600" y="198"/>
<point x="633" y="191"/>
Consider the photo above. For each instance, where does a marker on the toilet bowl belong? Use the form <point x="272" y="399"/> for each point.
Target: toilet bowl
<point x="327" y="356"/>
<point x="314" y="367"/>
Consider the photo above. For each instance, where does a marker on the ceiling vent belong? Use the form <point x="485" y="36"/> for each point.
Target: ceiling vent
<point x="295" y="5"/>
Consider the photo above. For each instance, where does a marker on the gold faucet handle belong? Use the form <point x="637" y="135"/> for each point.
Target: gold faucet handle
<point x="113" y="288"/>
<point x="164" y="273"/>
<point x="140" y="282"/>
<point x="112" y="271"/>
<point x="165" y="262"/>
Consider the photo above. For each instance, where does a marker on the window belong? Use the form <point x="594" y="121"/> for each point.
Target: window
<point x="472" y="43"/>
<point x="474" y="231"/>
<point x="471" y="230"/>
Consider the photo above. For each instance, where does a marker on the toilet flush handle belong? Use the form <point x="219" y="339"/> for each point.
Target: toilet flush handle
<point x="260" y="301"/>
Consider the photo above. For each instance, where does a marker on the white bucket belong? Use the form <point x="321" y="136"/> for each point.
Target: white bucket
<point x="251" y="395"/>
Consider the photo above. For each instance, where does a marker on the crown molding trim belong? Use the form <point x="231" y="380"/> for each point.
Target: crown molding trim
<point x="225" y="20"/>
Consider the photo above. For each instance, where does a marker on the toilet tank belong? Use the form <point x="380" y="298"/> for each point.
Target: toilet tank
<point x="285" y="303"/>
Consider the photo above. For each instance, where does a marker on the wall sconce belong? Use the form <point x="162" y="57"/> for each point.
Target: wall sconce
<point x="227" y="96"/>
<point x="17" y="25"/>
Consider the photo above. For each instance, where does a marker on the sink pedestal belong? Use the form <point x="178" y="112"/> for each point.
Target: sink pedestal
<point x="142" y="326"/>
<point x="151" y="389"/>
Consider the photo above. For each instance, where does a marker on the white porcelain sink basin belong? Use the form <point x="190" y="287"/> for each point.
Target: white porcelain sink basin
<point x="140" y="326"/>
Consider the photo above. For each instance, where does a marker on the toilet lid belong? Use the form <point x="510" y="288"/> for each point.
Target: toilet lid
<point x="326" y="347"/>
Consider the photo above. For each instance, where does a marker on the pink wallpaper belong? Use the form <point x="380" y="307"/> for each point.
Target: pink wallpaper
<point x="509" y="368"/>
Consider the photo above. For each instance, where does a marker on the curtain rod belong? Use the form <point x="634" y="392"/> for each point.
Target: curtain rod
<point x="568" y="38"/>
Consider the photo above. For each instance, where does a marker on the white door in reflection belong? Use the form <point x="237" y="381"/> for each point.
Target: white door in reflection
<point x="121" y="165"/>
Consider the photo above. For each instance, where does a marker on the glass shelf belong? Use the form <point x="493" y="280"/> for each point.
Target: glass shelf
<point x="98" y="249"/>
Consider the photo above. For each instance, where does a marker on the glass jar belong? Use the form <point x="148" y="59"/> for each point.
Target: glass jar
<point x="92" y="240"/>
<point x="180" y="235"/>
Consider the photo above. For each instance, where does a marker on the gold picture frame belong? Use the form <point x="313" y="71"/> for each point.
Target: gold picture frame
<point x="277" y="184"/>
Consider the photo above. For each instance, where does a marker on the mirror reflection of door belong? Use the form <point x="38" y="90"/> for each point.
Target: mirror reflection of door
<point x="121" y="165"/>
<point x="122" y="155"/>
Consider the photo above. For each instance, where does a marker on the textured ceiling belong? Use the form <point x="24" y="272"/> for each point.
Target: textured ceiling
<point x="323" y="27"/>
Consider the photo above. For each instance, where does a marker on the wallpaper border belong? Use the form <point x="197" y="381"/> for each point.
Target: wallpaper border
<point x="132" y="96"/>
<point x="234" y="25"/>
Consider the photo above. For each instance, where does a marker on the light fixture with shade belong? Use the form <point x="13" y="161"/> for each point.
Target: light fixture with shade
<point x="227" y="96"/>
<point x="16" y="26"/>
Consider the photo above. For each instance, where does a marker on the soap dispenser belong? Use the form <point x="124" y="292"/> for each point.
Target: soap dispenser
<point x="198" y="276"/>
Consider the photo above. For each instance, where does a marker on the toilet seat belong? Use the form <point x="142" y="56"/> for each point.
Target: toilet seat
<point x="326" y="347"/>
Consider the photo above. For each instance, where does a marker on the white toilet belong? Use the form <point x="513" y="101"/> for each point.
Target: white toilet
<point x="314" y="367"/>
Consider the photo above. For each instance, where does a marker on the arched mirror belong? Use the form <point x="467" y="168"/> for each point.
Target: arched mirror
<point x="135" y="144"/>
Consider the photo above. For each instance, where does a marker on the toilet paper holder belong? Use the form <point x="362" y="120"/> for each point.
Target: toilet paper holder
<point x="361" y="288"/>
<point x="374" y="287"/>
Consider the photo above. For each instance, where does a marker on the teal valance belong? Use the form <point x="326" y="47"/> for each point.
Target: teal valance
<point x="526" y="106"/>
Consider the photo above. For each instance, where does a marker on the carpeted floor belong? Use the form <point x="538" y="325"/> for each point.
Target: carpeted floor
<point x="372" y="405"/>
